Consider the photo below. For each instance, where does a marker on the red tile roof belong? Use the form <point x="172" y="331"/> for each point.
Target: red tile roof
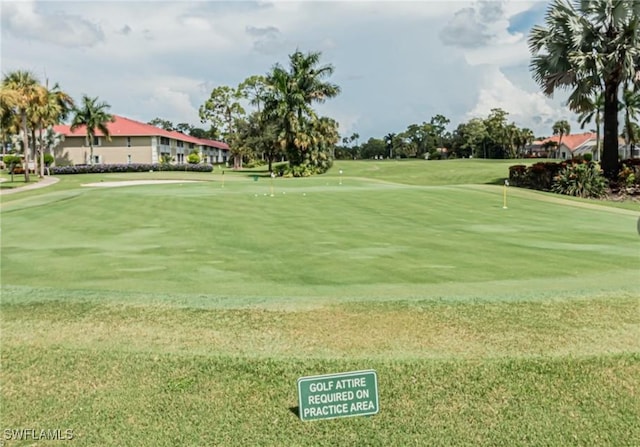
<point x="572" y="141"/>
<point x="125" y="127"/>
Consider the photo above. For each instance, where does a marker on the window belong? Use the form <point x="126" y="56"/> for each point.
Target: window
<point x="164" y="140"/>
<point x="180" y="143"/>
<point x="96" y="141"/>
<point x="191" y="145"/>
<point x="129" y="159"/>
<point x="128" y="141"/>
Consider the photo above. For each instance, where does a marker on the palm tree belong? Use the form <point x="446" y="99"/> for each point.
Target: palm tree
<point x="94" y="116"/>
<point x="54" y="107"/>
<point x="389" y="140"/>
<point x="289" y="99"/>
<point x="27" y="91"/>
<point x="589" y="46"/>
<point x="561" y="128"/>
<point x="631" y="104"/>
<point x="9" y="99"/>
<point x="593" y="111"/>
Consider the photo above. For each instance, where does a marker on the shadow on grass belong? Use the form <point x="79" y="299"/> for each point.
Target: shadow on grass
<point x="295" y="410"/>
<point x="496" y="181"/>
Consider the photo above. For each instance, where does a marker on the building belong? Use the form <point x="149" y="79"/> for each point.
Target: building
<point x="575" y="145"/>
<point x="134" y="142"/>
<point x="572" y="145"/>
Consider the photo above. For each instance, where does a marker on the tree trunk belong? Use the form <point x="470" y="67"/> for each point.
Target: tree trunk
<point x="610" y="144"/>
<point x="41" y="155"/>
<point x="597" y="138"/>
<point x="25" y="143"/>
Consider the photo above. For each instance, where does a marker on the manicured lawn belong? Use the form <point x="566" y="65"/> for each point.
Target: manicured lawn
<point x="184" y="313"/>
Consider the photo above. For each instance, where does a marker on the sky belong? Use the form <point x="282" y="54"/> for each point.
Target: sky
<point x="397" y="63"/>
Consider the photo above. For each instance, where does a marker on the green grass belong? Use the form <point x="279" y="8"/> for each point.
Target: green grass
<point x="184" y="313"/>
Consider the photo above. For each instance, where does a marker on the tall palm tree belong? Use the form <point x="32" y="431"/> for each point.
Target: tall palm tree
<point x="53" y="108"/>
<point x="589" y="46"/>
<point x="27" y="91"/>
<point x="290" y="97"/>
<point x="561" y="128"/>
<point x="94" y="116"/>
<point x="594" y="108"/>
<point x="389" y="140"/>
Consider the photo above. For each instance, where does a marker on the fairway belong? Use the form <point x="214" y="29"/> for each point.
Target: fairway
<point x="192" y="307"/>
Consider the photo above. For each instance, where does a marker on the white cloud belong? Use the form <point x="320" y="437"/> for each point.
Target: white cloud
<point x="526" y="109"/>
<point x="25" y="20"/>
<point x="173" y="105"/>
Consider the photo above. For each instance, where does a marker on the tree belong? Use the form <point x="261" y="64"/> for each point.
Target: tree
<point x="254" y="89"/>
<point x="588" y="46"/>
<point x="498" y="134"/>
<point x="259" y="136"/>
<point x="470" y="138"/>
<point x="593" y="110"/>
<point x="389" y="140"/>
<point x="374" y="147"/>
<point x="222" y="110"/>
<point x="52" y="108"/>
<point x="184" y="128"/>
<point x="289" y="103"/>
<point x="525" y="137"/>
<point x="26" y="91"/>
<point x="94" y="116"/>
<point x="162" y="123"/>
<point x="439" y="125"/>
<point x="561" y="128"/>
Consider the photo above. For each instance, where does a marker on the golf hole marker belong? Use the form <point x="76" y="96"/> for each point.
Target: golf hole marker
<point x="332" y="396"/>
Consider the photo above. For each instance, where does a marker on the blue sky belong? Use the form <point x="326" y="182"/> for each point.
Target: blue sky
<point x="398" y="63"/>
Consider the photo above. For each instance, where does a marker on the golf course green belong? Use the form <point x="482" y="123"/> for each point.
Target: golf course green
<point x="182" y="313"/>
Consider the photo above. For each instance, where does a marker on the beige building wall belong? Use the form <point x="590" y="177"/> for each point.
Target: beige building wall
<point x="120" y="150"/>
<point x="123" y="150"/>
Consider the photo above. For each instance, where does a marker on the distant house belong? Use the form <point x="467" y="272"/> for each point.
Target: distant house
<point x="134" y="142"/>
<point x="575" y="145"/>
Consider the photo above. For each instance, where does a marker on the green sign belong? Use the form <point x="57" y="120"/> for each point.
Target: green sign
<point x="338" y="395"/>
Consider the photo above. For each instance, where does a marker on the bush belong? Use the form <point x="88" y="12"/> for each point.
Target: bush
<point x="518" y="175"/>
<point x="540" y="175"/>
<point x="48" y="159"/>
<point x="12" y="161"/>
<point x="193" y="158"/>
<point x="588" y="157"/>
<point x="580" y="180"/>
<point x="133" y="167"/>
<point x="629" y="175"/>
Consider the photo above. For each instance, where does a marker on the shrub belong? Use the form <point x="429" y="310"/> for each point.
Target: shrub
<point x="629" y="175"/>
<point x="580" y="180"/>
<point x="133" y="167"/>
<point x="540" y="175"/>
<point x="12" y="161"/>
<point x="193" y="158"/>
<point x="48" y="159"/>
<point x="588" y="157"/>
<point x="518" y="175"/>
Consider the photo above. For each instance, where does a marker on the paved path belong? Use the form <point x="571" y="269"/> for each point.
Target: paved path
<point x="47" y="181"/>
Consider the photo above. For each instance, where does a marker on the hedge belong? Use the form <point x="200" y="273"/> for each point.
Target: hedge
<point x="132" y="167"/>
